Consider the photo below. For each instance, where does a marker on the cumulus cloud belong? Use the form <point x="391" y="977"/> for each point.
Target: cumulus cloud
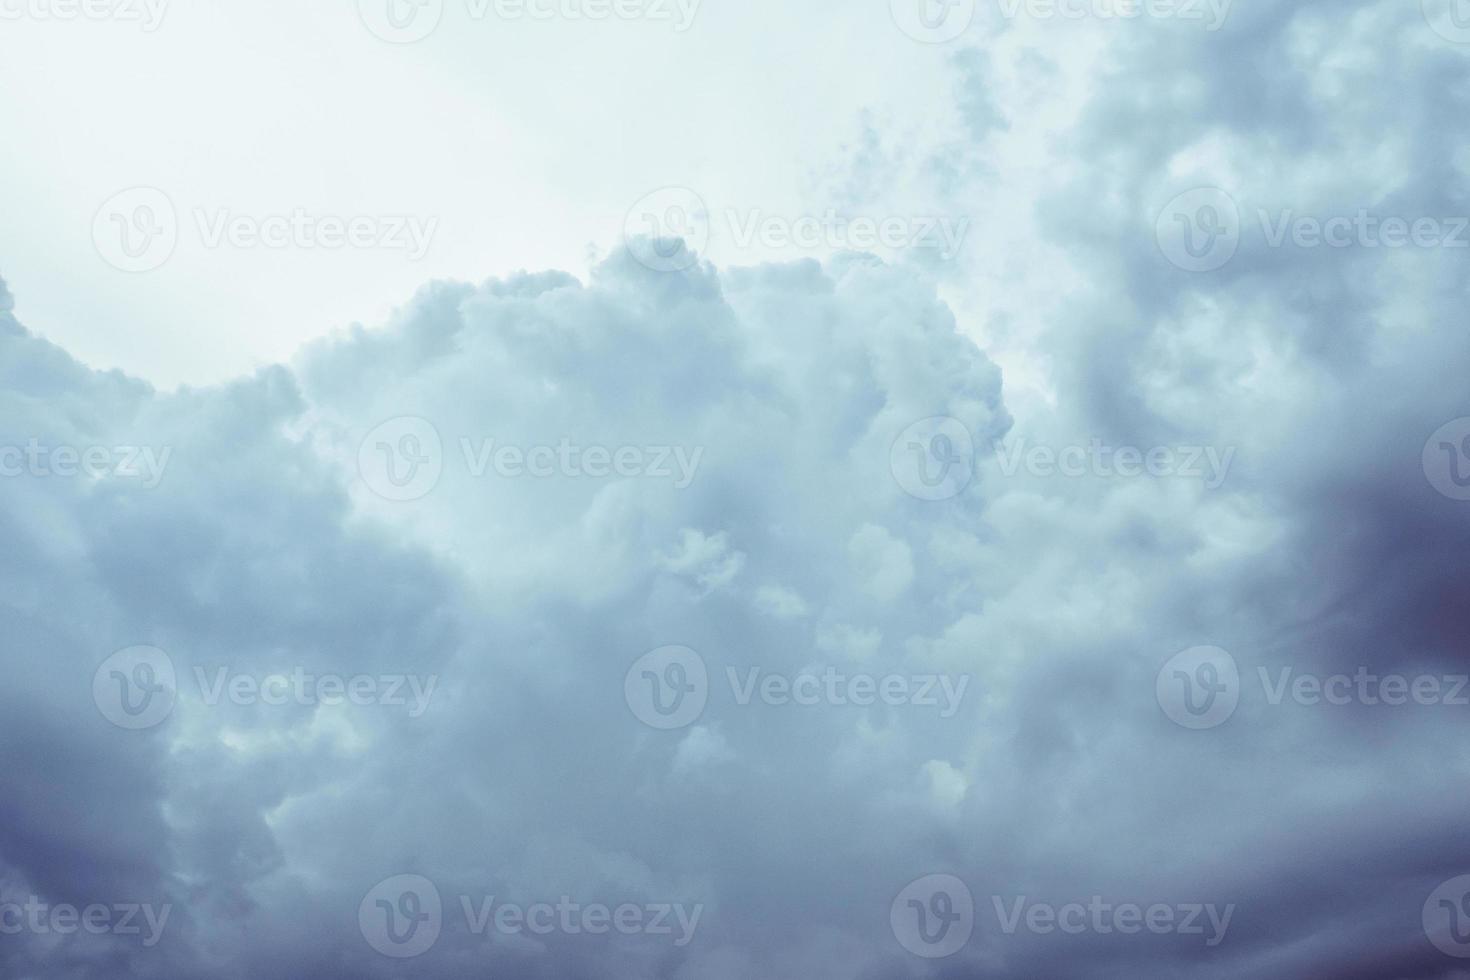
<point x="685" y="633"/>
<point x="266" y="547"/>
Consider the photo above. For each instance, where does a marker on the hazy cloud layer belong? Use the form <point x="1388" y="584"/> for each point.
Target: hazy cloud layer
<point x="536" y="508"/>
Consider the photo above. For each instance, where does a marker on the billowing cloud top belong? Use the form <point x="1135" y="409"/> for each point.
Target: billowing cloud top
<point x="725" y="623"/>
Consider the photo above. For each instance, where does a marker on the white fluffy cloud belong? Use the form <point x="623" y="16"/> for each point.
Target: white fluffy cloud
<point x="514" y="492"/>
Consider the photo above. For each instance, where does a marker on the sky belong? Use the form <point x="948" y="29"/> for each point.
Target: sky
<point x="654" y="489"/>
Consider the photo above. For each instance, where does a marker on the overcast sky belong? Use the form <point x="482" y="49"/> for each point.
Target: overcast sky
<point x="708" y="490"/>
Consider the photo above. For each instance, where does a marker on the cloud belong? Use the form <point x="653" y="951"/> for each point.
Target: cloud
<point x="522" y="487"/>
<point x="265" y="551"/>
